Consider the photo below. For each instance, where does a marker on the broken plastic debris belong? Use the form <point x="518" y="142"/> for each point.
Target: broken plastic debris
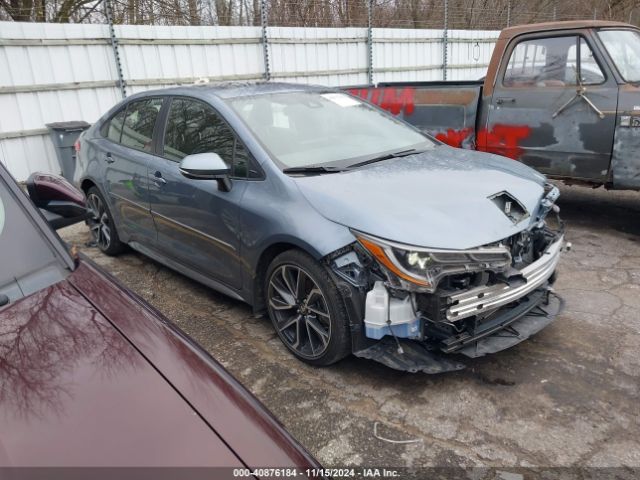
<point x="375" y="434"/>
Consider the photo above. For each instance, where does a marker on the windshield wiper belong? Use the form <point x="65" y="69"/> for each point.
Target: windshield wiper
<point x="330" y="169"/>
<point x="386" y="156"/>
<point x="313" y="169"/>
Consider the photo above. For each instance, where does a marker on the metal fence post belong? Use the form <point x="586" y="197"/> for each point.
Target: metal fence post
<point x="595" y="13"/>
<point x="264" y="19"/>
<point x="509" y="13"/>
<point x="555" y="12"/>
<point x="445" y="40"/>
<point x="114" y="48"/>
<point x="369" y="42"/>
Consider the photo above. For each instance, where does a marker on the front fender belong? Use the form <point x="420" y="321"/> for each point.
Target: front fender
<point x="625" y="159"/>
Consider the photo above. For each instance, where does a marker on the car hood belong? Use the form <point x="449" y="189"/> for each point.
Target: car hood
<point x="439" y="198"/>
<point x="75" y="392"/>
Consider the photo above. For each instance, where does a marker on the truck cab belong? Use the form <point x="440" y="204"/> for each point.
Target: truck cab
<point x="561" y="97"/>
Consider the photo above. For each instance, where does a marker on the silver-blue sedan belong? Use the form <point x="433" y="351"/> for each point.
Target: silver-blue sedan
<point x="353" y="230"/>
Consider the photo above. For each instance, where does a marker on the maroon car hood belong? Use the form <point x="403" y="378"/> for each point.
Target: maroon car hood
<point x="244" y="424"/>
<point x="75" y="392"/>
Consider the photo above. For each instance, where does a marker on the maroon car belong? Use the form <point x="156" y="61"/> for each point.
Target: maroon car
<point x="91" y="375"/>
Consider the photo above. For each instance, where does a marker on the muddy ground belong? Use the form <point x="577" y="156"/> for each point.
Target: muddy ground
<point x="568" y="396"/>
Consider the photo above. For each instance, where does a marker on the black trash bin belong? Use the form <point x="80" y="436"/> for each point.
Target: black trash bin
<point x="64" y="136"/>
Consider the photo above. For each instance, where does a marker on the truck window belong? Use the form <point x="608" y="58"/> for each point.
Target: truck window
<point x="623" y="47"/>
<point x="590" y="72"/>
<point x="551" y="62"/>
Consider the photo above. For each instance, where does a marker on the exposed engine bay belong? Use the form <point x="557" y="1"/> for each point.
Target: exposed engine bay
<point x="473" y="302"/>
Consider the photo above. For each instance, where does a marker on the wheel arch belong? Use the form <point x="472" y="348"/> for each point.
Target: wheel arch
<point x="264" y="260"/>
<point x="87" y="183"/>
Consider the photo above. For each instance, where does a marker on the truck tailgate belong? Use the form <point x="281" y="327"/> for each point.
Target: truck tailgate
<point x="445" y="110"/>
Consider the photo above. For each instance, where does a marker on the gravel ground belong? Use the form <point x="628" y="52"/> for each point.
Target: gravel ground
<point x="568" y="396"/>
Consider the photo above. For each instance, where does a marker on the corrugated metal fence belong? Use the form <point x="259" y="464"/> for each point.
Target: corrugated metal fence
<point x="58" y="72"/>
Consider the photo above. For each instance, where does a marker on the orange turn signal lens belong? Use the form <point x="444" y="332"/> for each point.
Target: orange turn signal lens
<point x="378" y="252"/>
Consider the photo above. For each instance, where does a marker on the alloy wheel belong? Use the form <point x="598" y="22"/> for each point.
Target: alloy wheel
<point x="300" y="311"/>
<point x="98" y="221"/>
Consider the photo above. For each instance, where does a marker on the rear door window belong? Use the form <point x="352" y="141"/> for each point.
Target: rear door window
<point x="139" y="122"/>
<point x="113" y="128"/>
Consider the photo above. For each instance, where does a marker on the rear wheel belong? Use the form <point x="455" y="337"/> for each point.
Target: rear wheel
<point x="101" y="224"/>
<point x="306" y="309"/>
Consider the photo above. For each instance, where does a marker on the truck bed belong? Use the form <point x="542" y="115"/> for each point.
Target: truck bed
<point x="445" y="110"/>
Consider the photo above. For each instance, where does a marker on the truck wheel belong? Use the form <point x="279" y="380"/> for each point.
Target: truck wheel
<point x="306" y="309"/>
<point x="101" y="224"/>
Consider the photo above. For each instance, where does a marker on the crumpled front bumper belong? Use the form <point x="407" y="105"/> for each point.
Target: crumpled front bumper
<point x="482" y="299"/>
<point x="503" y="332"/>
<point x="511" y="332"/>
<point x="531" y="303"/>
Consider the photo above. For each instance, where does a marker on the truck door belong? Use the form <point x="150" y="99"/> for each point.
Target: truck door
<point x="553" y="107"/>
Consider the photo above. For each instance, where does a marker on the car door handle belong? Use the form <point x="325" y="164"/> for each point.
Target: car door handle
<point x="503" y="100"/>
<point x="157" y="179"/>
<point x="108" y="158"/>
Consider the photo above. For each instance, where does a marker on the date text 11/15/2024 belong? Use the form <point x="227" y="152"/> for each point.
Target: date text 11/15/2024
<point x="317" y="472"/>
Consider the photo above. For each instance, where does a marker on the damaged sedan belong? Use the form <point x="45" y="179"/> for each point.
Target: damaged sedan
<point x="353" y="230"/>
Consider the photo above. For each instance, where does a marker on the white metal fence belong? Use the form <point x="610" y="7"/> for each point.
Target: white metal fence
<point x="59" y="72"/>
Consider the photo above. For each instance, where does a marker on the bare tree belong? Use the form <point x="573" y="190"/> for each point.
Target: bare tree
<point x="465" y="14"/>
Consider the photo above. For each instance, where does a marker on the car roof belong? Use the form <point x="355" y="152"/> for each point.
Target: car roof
<point x="227" y="90"/>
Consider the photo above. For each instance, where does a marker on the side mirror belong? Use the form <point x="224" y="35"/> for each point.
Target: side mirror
<point x="61" y="203"/>
<point x="207" y="166"/>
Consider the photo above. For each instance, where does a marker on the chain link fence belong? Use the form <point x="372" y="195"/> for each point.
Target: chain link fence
<point x="418" y="14"/>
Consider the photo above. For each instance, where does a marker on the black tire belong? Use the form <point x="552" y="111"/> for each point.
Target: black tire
<point x="101" y="224"/>
<point x="316" y="311"/>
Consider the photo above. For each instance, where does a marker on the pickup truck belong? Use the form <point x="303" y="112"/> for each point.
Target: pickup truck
<point x="561" y="97"/>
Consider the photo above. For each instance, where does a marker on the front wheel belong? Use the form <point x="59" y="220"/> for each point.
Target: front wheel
<point x="306" y="309"/>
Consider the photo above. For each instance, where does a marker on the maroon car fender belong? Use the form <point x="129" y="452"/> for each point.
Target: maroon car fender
<point x="240" y="420"/>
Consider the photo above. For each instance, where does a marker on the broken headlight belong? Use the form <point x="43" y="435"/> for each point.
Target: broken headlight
<point x="548" y="202"/>
<point x="422" y="268"/>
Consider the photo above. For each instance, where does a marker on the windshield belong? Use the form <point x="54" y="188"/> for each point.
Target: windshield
<point x="623" y="47"/>
<point x="301" y="129"/>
